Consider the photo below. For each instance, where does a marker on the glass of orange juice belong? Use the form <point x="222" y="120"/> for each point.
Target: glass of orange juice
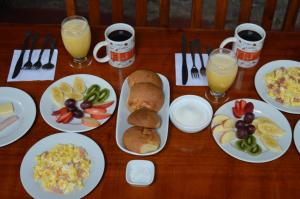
<point x="76" y="36"/>
<point x="221" y="71"/>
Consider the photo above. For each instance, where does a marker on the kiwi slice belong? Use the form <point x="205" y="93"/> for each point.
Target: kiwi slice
<point x="255" y="150"/>
<point x="250" y="141"/>
<point x="241" y="145"/>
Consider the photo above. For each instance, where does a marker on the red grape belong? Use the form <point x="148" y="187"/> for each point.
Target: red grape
<point x="70" y="103"/>
<point x="249" y="117"/>
<point x="240" y="124"/>
<point x="78" y="113"/>
<point x="242" y="133"/>
<point x="251" y="129"/>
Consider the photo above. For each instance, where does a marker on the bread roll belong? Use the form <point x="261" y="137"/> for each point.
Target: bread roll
<point x="144" y="76"/>
<point x="144" y="118"/>
<point x="141" y="140"/>
<point x="145" y="95"/>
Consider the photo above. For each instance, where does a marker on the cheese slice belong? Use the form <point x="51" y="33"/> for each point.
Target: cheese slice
<point x="6" y="108"/>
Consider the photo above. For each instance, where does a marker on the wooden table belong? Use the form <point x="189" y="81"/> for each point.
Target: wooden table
<point x="190" y="165"/>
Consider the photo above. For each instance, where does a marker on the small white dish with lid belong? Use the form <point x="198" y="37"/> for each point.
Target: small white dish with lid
<point x="140" y="172"/>
<point x="190" y="113"/>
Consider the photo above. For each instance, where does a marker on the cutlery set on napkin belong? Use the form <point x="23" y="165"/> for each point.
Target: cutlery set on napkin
<point x="186" y="74"/>
<point x="34" y="64"/>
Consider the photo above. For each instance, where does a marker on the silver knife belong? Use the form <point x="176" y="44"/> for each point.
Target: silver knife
<point x="20" y="60"/>
<point x="184" y="65"/>
<point x="201" y="54"/>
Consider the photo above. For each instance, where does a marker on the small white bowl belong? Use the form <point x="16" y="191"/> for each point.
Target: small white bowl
<point x="140" y="172"/>
<point x="190" y="113"/>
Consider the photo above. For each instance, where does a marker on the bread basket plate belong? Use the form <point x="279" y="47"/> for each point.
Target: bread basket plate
<point x="123" y="113"/>
<point x="47" y="106"/>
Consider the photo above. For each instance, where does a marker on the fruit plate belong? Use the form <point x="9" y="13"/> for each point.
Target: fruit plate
<point x="123" y="113"/>
<point x="261" y="109"/>
<point x="297" y="136"/>
<point x="94" y="152"/>
<point x="261" y="88"/>
<point x="47" y="106"/>
<point x="24" y="109"/>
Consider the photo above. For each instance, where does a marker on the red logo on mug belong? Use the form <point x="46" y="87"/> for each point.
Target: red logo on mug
<point x="247" y="56"/>
<point x="122" y="56"/>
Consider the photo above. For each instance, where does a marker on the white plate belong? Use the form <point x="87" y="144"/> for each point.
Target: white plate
<point x="123" y="113"/>
<point x="297" y="136"/>
<point x="24" y="108"/>
<point x="261" y="88"/>
<point x="95" y="154"/>
<point x="261" y="109"/>
<point x="47" y="106"/>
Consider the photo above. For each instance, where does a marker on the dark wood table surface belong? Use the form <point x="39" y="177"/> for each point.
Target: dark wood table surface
<point x="190" y="165"/>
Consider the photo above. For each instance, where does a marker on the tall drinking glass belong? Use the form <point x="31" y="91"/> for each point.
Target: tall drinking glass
<point x="221" y="71"/>
<point x="76" y="36"/>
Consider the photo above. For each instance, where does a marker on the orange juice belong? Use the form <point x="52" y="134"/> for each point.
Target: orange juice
<point x="76" y="36"/>
<point x="221" y="71"/>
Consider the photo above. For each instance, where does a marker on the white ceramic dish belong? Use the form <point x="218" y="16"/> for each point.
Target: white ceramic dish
<point x="123" y="114"/>
<point x="187" y="104"/>
<point x="47" y="106"/>
<point x="261" y="88"/>
<point x="297" y="135"/>
<point x="95" y="154"/>
<point x="140" y="172"/>
<point x="261" y="109"/>
<point x="24" y="108"/>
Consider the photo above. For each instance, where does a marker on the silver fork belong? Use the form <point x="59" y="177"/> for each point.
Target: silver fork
<point x="198" y="46"/>
<point x="37" y="65"/>
<point x="194" y="70"/>
<point x="49" y="65"/>
<point x="28" y="64"/>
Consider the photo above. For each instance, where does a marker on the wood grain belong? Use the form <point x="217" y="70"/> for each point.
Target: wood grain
<point x="94" y="12"/>
<point x="190" y="165"/>
<point x="70" y="7"/>
<point x="117" y="11"/>
<point x="196" y="14"/>
<point x="291" y="15"/>
<point x="141" y="12"/>
<point x="164" y="13"/>
<point x="221" y="12"/>
<point x="245" y="10"/>
<point x="269" y="10"/>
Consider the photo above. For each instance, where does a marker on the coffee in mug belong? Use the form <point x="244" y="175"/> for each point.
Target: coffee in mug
<point x="119" y="42"/>
<point x="248" y="41"/>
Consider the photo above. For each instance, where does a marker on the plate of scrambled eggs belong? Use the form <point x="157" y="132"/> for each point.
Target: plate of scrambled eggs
<point x="62" y="165"/>
<point x="278" y="83"/>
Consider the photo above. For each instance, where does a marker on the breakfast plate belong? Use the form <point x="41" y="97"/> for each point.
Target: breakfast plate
<point x="47" y="106"/>
<point x="297" y="136"/>
<point x="261" y="109"/>
<point x="94" y="153"/>
<point x="123" y="114"/>
<point x="261" y="88"/>
<point x="24" y="109"/>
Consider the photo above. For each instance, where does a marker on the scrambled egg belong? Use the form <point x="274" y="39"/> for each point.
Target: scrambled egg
<point x="283" y="85"/>
<point x="63" y="168"/>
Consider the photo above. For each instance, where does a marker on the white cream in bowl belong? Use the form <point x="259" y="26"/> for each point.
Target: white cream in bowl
<point x="190" y="113"/>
